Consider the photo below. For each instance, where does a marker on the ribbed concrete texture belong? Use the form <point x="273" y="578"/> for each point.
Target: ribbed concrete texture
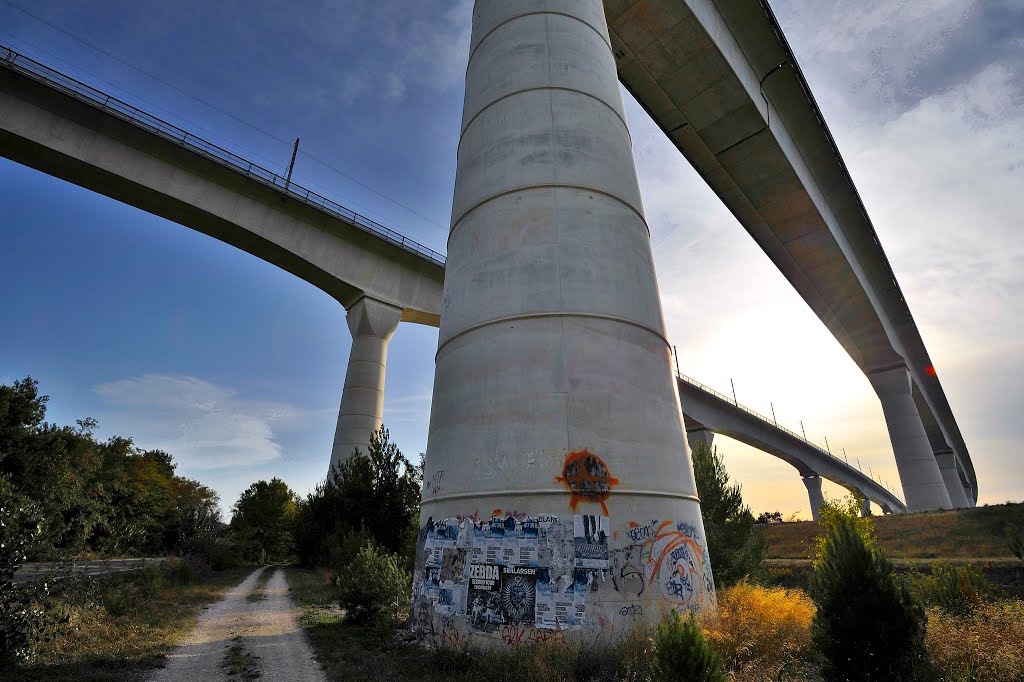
<point x="954" y="486"/>
<point x="362" y="400"/>
<point x="923" y="486"/>
<point x="813" y="484"/>
<point x="559" y="500"/>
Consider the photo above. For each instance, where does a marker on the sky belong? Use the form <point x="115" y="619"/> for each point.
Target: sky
<point x="235" y="367"/>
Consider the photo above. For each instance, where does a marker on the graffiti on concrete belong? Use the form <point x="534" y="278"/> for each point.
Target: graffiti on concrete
<point x="587" y="478"/>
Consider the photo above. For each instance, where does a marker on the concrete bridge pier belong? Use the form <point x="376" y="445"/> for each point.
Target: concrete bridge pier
<point x="701" y="435"/>
<point x="923" y="483"/>
<point x="813" y="484"/>
<point x="865" y="507"/>
<point x="372" y="324"/>
<point x="955" y="487"/>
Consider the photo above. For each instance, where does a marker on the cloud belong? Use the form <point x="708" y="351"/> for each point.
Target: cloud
<point x="882" y="57"/>
<point x="205" y="426"/>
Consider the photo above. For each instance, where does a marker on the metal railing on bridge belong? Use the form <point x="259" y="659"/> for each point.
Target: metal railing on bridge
<point x="775" y="423"/>
<point x="112" y="105"/>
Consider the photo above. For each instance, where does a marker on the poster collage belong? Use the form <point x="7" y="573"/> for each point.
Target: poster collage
<point x="524" y="570"/>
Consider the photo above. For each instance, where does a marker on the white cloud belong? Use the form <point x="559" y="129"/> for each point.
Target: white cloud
<point x="205" y="426"/>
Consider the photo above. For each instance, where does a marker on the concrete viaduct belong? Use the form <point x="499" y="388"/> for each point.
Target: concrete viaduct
<point x="818" y="234"/>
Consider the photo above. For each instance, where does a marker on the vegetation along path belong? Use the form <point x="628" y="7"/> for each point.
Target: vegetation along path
<point x="252" y="633"/>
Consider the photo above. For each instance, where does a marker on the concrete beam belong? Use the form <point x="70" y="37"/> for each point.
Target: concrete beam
<point x="60" y="135"/>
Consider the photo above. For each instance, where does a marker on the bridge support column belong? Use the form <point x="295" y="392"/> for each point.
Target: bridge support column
<point x="705" y="436"/>
<point x="955" y="487"/>
<point x="813" y="484"/>
<point x="865" y="508"/>
<point x="923" y="485"/>
<point x="969" y="494"/>
<point x="371" y="323"/>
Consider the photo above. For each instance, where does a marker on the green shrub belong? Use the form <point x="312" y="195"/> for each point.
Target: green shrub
<point x="867" y="625"/>
<point x="957" y="590"/>
<point x="682" y="653"/>
<point x="1015" y="541"/>
<point x="373" y="589"/>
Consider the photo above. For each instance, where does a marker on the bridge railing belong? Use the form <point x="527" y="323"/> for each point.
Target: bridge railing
<point x="112" y="105"/>
<point x="772" y="422"/>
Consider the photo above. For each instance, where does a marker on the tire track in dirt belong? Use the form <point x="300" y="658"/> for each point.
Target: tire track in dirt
<point x="267" y="629"/>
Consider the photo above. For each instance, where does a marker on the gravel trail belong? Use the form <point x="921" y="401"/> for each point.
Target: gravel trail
<point x="267" y="629"/>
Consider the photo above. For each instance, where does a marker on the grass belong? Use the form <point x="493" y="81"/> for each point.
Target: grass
<point x="238" y="661"/>
<point x="122" y="627"/>
<point x="968" y="534"/>
<point x="258" y="592"/>
<point x="349" y="652"/>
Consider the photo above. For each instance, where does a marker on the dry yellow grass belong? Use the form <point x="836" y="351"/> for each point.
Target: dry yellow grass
<point x="970" y="534"/>
<point x="758" y="630"/>
<point x="989" y="643"/>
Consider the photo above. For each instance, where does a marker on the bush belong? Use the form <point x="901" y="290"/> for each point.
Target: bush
<point x="759" y="630"/>
<point x="735" y="545"/>
<point x="986" y="645"/>
<point x="1015" y="541"/>
<point x="957" y="590"/>
<point x="682" y="653"/>
<point x="374" y="589"/>
<point x="867" y="625"/>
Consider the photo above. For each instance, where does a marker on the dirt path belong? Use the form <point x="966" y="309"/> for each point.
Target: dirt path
<point x="267" y="629"/>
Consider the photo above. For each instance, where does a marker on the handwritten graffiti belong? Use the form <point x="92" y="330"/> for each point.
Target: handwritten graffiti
<point x="627" y="569"/>
<point x="514" y="635"/>
<point x="587" y="478"/>
<point x="677" y="561"/>
<point x="450" y="636"/>
<point x="633" y="611"/>
<point x="433" y="486"/>
<point x="638" y="533"/>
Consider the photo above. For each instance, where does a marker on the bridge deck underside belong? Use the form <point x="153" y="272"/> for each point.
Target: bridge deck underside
<point x="720" y="81"/>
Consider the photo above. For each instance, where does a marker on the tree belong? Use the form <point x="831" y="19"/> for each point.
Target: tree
<point x="373" y="497"/>
<point x="867" y="625"/>
<point x="834" y="512"/>
<point x="262" y="521"/>
<point x="736" y="547"/>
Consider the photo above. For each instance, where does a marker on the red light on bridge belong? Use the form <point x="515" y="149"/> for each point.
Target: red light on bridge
<point x="930" y="370"/>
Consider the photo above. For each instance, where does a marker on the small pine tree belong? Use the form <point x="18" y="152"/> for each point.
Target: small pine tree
<point x="846" y="510"/>
<point x="867" y="626"/>
<point x="373" y="589"/>
<point x="681" y="652"/>
<point x="736" y="546"/>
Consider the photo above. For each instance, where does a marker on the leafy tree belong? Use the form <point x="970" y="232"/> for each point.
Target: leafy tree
<point x="196" y="515"/>
<point x="769" y="518"/>
<point x="736" y="547"/>
<point x="108" y="497"/>
<point x="835" y="512"/>
<point x="867" y="626"/>
<point x="263" y="519"/>
<point x="373" y="497"/>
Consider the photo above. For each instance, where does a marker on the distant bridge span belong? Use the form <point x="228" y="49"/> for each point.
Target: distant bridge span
<point x="70" y="130"/>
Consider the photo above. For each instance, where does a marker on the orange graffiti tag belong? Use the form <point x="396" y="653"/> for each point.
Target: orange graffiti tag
<point x="587" y="478"/>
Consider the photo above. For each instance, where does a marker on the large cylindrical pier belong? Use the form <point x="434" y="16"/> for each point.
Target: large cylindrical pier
<point x="559" y="497"/>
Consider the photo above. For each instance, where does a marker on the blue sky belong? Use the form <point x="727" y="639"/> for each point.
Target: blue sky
<point x="236" y="367"/>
